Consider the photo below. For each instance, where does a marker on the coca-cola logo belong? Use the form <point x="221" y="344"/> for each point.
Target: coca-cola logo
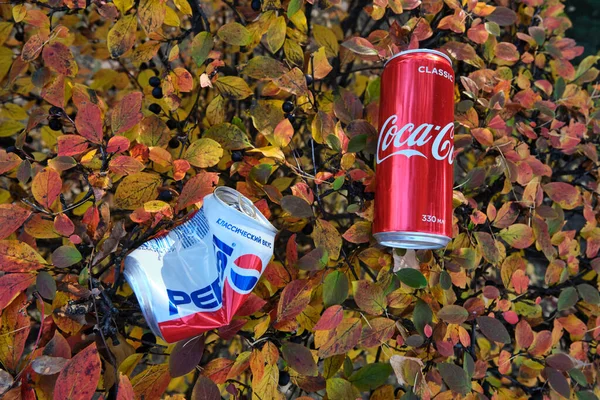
<point x="409" y="139"/>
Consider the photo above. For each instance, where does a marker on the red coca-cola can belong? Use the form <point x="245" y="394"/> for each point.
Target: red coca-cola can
<point x="414" y="174"/>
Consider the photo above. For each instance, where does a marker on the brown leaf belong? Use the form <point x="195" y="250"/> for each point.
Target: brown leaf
<point x="296" y="206"/>
<point x="47" y="365"/>
<point x="151" y="383"/>
<point x="493" y="329"/>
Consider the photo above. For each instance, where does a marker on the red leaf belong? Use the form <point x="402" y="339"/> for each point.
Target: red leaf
<point x="511" y="317"/>
<point x="541" y="344"/>
<point x="16" y="256"/>
<point x="567" y="196"/>
<point x="205" y="389"/>
<point x="125" y="388"/>
<point x="79" y="379"/>
<point x="342" y="339"/>
<point x="63" y="225"/>
<point x="13" y="332"/>
<point x="11" y="218"/>
<point x="185" y="356"/>
<point x="294" y="298"/>
<point x="523" y="334"/>
<point x="8" y="161"/>
<point x="125" y="165"/>
<point x="252" y="304"/>
<point x="217" y="370"/>
<point x="117" y="144"/>
<point x="483" y="136"/>
<point x="89" y="123"/>
<point x="127" y="113"/>
<point x="151" y="383"/>
<point x="71" y="145"/>
<point x="46" y="187"/>
<point x="59" y="58"/>
<point x="196" y="189"/>
<point x="291" y="251"/>
<point x="330" y="319"/>
<point x="180" y="168"/>
<point x="54" y="92"/>
<point x="520" y="281"/>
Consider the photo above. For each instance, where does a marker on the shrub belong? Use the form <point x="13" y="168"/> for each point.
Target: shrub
<point x="116" y="118"/>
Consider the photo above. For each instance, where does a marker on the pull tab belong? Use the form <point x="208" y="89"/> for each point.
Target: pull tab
<point x="234" y="199"/>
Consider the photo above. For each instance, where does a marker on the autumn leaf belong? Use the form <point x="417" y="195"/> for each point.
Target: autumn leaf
<point x="136" y="189"/>
<point x="11" y="285"/>
<point x="229" y="136"/>
<point x="46" y="187"/>
<point x="204" y="153"/>
<point x="11" y="218"/>
<point x="16" y="256"/>
<point x="121" y="37"/>
<point x="369" y="297"/>
<point x="360" y="232"/>
<point x="196" y="189"/>
<point x="326" y="236"/>
<point x="71" y="145"/>
<point x="342" y="339"/>
<point x="235" y="34"/>
<point x="202" y="44"/>
<point x="299" y="358"/>
<point x="295" y="296"/>
<point x="519" y="236"/>
<point x="80" y="376"/>
<point x="8" y="161"/>
<point x="567" y="196"/>
<point x="360" y="46"/>
<point x="89" y="123"/>
<point x="14" y="330"/>
<point x="127" y="113"/>
<point x="59" y="58"/>
<point x="233" y="87"/>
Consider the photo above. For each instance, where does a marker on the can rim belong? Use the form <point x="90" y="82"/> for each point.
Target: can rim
<point x="260" y="218"/>
<point x="439" y="53"/>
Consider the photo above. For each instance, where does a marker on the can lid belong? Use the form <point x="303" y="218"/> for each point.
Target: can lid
<point x="439" y="53"/>
<point x="232" y="198"/>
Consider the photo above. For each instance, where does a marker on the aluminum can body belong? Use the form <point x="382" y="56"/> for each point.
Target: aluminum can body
<point x="197" y="276"/>
<point x="414" y="171"/>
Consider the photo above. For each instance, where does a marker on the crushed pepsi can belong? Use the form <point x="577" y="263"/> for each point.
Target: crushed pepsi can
<point x="197" y="276"/>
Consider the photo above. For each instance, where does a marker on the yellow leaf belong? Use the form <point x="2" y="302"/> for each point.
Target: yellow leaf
<point x="269" y="151"/>
<point x="19" y="11"/>
<point x="129" y="364"/>
<point x="183" y="6"/>
<point x="326" y="38"/>
<point x="5" y="61"/>
<point x="5" y="30"/>
<point x="171" y="17"/>
<point x="65" y="323"/>
<point x="293" y="52"/>
<point x="155" y="206"/>
<point x="276" y="34"/>
<point x="152" y="14"/>
<point x="326" y="236"/>
<point x="121" y="37"/>
<point x="10" y="127"/>
<point x="215" y="112"/>
<point x="136" y="189"/>
<point x="234" y="34"/>
<point x="229" y="136"/>
<point x="319" y="66"/>
<point x="204" y="153"/>
<point x="123" y="5"/>
<point x="267" y="387"/>
<point x="233" y="87"/>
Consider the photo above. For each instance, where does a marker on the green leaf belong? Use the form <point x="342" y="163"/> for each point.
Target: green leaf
<point x="568" y="298"/>
<point x="371" y="376"/>
<point x="357" y="143"/>
<point x="338" y="388"/>
<point x="315" y="260"/>
<point x="578" y="376"/>
<point x="65" y="256"/>
<point x="233" y="87"/>
<point x="588" y="293"/>
<point x="235" y="34"/>
<point x="335" y="288"/>
<point x="493" y="329"/>
<point x="445" y="280"/>
<point x="422" y="315"/>
<point x="455" y="377"/>
<point x="294" y="7"/>
<point x="412" y="277"/>
<point x="586" y="395"/>
<point x="339" y="182"/>
<point x="202" y="44"/>
<point x="45" y="285"/>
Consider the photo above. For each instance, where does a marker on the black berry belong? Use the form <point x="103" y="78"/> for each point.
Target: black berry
<point x="143" y="66"/>
<point x="55" y="124"/>
<point x="28" y="139"/>
<point x="287" y="106"/>
<point x="155" y="108"/>
<point x="291" y="118"/>
<point x="296" y="339"/>
<point x="171" y="124"/>
<point x="154" y="81"/>
<point x="284" y="378"/>
<point x="165" y="195"/>
<point x="256" y="5"/>
<point x="11" y="149"/>
<point x="369" y="195"/>
<point x="307" y="230"/>
<point x="157" y="92"/>
<point x="55" y="110"/>
<point x="20" y="36"/>
<point x="237" y="156"/>
<point x="309" y="79"/>
<point x="173" y="143"/>
<point x="148" y="337"/>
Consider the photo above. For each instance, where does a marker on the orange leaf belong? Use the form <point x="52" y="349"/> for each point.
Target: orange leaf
<point x="63" y="225"/>
<point x="160" y="156"/>
<point x="11" y="218"/>
<point x="360" y="232"/>
<point x="89" y="122"/>
<point x="217" y="370"/>
<point x="54" y="92"/>
<point x="294" y="298"/>
<point x="71" y="145"/>
<point x="151" y="383"/>
<point x="125" y="165"/>
<point x="59" y="58"/>
<point x="8" y="161"/>
<point x="33" y="47"/>
<point x="184" y="81"/>
<point x="80" y="377"/>
<point x="567" y="196"/>
<point x="18" y="256"/>
<point x="13" y="332"/>
<point x="125" y="388"/>
<point x="46" y="187"/>
<point x="180" y="168"/>
<point x="343" y="338"/>
<point x="196" y="189"/>
<point x="378" y="331"/>
<point x="127" y="113"/>
<point x="541" y="344"/>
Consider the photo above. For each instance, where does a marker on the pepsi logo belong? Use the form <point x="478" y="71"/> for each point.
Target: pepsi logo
<point x="245" y="273"/>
